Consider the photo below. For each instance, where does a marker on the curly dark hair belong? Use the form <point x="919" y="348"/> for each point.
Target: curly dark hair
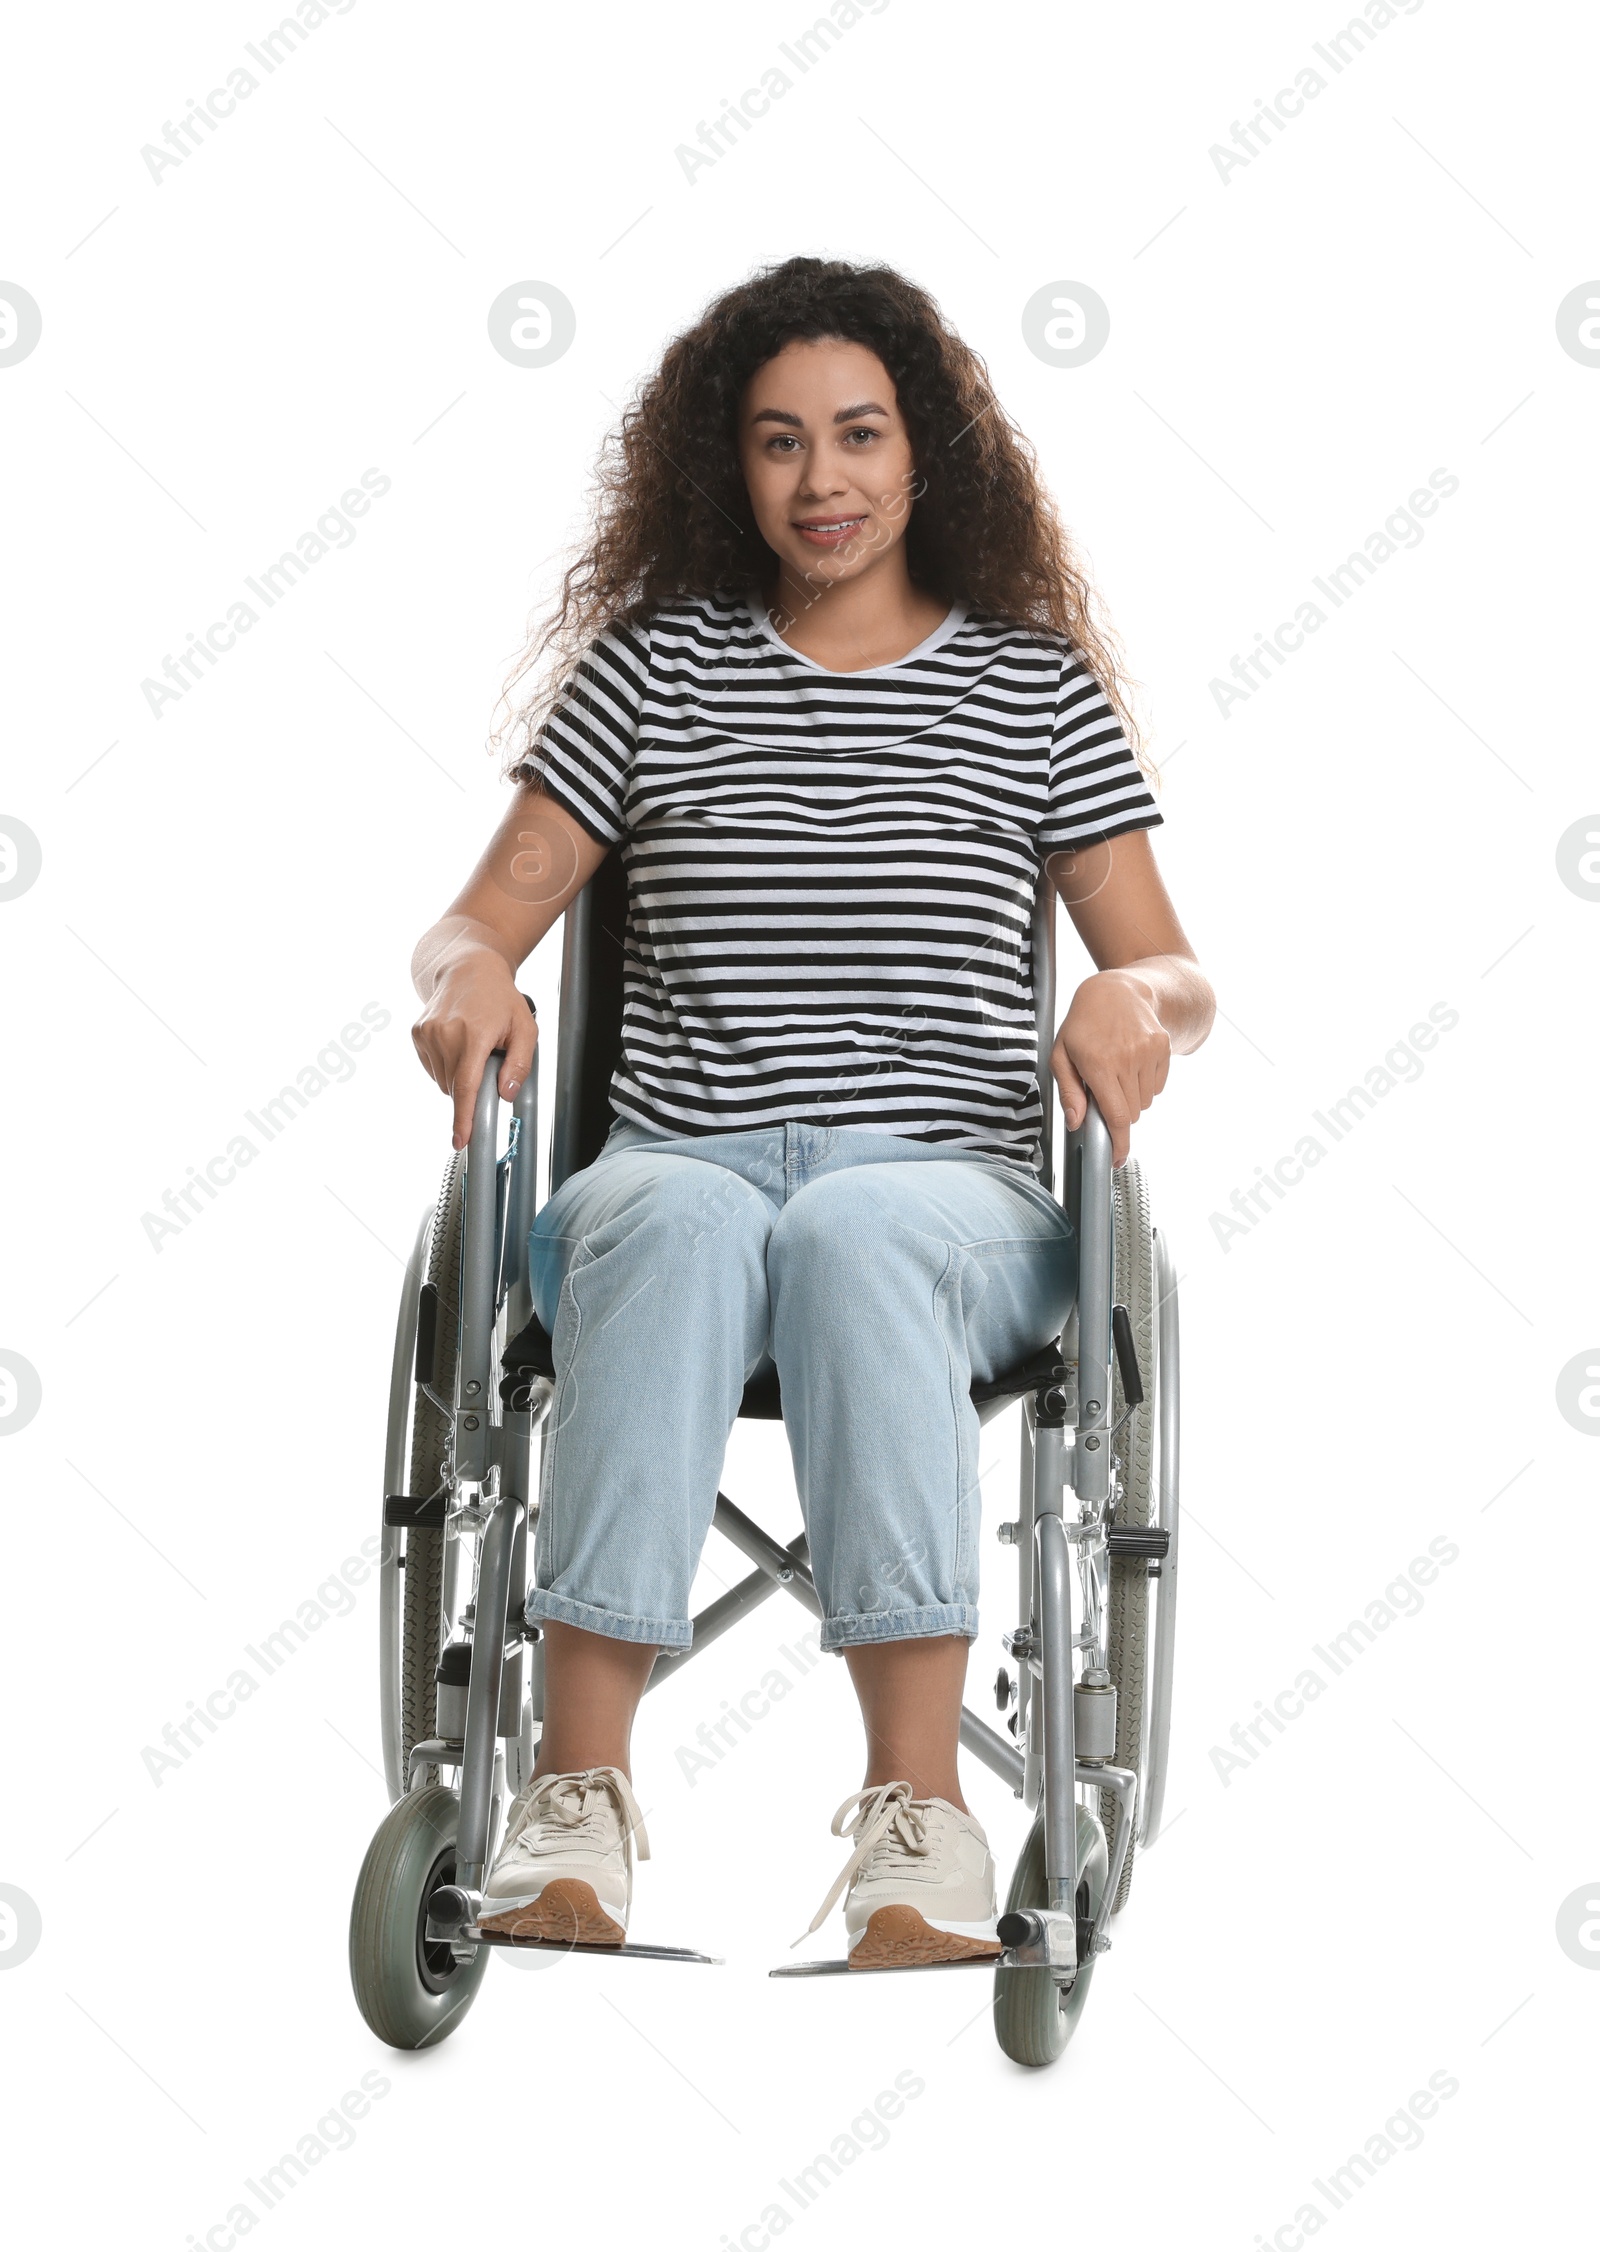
<point x="672" y="517"/>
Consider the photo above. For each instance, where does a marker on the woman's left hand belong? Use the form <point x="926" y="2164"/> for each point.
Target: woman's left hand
<point x="1112" y="1042"/>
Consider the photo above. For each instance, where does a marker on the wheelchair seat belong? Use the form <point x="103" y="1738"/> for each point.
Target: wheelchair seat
<point x="529" y="1355"/>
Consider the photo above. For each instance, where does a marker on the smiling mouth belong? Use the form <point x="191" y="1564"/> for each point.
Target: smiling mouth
<point x="829" y="531"/>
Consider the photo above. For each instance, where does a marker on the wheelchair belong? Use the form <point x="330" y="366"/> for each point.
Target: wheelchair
<point x="1087" y="1695"/>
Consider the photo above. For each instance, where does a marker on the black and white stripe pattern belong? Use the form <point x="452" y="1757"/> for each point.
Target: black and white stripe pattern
<point x="831" y="875"/>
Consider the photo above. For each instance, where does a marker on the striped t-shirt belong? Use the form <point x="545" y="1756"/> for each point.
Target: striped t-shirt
<point x="831" y="876"/>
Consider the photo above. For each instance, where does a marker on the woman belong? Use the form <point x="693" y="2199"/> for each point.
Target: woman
<point x="828" y="677"/>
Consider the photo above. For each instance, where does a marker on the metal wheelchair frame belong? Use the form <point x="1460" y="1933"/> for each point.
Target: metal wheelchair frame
<point x="1064" y="1732"/>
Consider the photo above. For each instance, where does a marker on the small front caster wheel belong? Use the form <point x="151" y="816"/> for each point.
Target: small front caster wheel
<point x="411" y="1990"/>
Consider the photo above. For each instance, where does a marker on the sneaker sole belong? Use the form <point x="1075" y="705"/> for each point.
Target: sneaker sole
<point x="898" y="1938"/>
<point x="566" y="1910"/>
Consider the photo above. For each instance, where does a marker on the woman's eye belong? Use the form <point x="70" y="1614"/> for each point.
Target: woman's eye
<point x="863" y="432"/>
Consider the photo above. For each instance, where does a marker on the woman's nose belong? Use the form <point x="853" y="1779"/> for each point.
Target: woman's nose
<point x="824" y="475"/>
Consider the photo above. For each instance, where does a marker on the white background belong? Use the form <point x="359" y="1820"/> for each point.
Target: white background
<point x="1373" y="1365"/>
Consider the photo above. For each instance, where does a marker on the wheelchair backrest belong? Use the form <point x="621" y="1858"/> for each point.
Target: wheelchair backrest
<point x="590" y="1042"/>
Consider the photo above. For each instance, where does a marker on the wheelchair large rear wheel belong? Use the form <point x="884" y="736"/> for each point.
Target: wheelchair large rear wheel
<point x="416" y="1579"/>
<point x="1033" y="2019"/>
<point x="411" y="1990"/>
<point x="1147" y="1496"/>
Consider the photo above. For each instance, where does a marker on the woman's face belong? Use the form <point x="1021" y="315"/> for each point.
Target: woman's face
<point x="827" y="461"/>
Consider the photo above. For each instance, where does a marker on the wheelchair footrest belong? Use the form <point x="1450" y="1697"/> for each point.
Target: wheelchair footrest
<point x="629" y="1947"/>
<point x="1003" y="1961"/>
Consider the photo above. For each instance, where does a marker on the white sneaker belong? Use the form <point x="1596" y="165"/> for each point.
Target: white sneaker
<point x="565" y="1869"/>
<point x="921" y="1882"/>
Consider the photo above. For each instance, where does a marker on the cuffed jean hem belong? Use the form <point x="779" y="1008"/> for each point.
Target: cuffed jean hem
<point x="854" y="1627"/>
<point x="668" y="1634"/>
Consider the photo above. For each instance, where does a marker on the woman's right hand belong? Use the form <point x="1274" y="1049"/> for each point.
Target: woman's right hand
<point x="538" y="860"/>
<point x="475" y="1008"/>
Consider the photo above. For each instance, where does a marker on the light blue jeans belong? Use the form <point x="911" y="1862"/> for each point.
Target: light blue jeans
<point x="880" y="1276"/>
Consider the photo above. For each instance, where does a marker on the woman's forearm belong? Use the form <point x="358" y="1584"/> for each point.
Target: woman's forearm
<point x="537" y="861"/>
<point x="1177" y="989"/>
<point x="456" y="941"/>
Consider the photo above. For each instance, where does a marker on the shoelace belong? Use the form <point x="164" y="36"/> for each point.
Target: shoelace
<point x="884" y="1816"/>
<point x="575" y="1800"/>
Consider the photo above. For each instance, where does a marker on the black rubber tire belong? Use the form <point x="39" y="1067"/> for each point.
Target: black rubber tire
<point x="411" y="1991"/>
<point x="422" y="1622"/>
<point x="1128" y="1602"/>
<point x="1033" y="2019"/>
